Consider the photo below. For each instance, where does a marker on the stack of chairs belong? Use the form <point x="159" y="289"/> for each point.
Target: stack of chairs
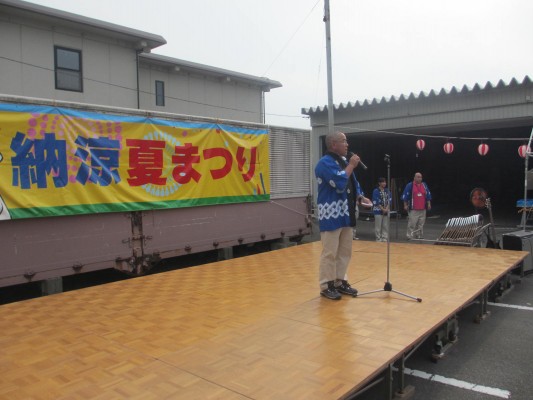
<point x="463" y="231"/>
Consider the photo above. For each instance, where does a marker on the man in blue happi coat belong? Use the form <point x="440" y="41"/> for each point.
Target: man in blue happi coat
<point x="338" y="192"/>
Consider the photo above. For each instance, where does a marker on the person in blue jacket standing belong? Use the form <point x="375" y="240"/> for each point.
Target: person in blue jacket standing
<point x="381" y="199"/>
<point x="416" y="200"/>
<point x="338" y="192"/>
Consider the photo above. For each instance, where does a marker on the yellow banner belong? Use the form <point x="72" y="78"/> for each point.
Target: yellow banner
<point x="58" y="161"/>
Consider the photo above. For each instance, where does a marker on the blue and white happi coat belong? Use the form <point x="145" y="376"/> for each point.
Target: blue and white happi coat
<point x="333" y="194"/>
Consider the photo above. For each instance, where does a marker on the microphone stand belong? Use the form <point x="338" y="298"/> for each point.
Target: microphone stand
<point x="388" y="284"/>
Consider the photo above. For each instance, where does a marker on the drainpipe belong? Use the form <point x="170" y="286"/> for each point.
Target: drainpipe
<point x="141" y="46"/>
<point x="137" y="52"/>
<point x="263" y="119"/>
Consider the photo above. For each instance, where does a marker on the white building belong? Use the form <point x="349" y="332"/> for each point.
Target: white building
<point x="51" y="54"/>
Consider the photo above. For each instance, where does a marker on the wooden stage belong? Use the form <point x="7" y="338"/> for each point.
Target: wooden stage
<point x="249" y="328"/>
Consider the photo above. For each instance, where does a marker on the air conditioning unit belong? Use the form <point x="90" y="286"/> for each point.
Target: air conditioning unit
<point x="520" y="240"/>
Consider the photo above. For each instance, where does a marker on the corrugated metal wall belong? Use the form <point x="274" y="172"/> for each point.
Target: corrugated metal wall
<point x="290" y="162"/>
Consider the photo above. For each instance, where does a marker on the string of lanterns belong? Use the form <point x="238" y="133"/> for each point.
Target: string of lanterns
<point x="482" y="149"/>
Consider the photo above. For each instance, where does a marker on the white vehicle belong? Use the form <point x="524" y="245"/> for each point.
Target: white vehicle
<point x="76" y="235"/>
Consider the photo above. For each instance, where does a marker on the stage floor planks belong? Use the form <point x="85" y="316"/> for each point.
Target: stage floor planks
<point x="249" y="328"/>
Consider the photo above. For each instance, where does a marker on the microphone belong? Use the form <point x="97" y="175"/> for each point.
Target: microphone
<point x="361" y="163"/>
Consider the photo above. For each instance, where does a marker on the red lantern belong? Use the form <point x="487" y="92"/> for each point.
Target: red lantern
<point x="420" y="144"/>
<point x="448" y="148"/>
<point x="483" y="149"/>
<point x="523" y="150"/>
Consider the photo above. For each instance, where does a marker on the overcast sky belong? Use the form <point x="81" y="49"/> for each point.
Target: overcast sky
<point x="380" y="48"/>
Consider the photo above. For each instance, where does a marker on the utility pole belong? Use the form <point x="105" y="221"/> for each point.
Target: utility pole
<point x="328" y="56"/>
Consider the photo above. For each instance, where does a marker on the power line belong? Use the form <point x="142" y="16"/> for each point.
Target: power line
<point x="416" y="135"/>
<point x="153" y="94"/>
<point x="290" y="39"/>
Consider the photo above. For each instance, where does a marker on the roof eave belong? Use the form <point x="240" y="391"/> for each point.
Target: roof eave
<point x="433" y="94"/>
<point x="265" y="83"/>
<point x="143" y="40"/>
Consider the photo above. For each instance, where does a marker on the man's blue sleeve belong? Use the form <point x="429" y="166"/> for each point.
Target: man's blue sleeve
<point x="428" y="193"/>
<point x="358" y="190"/>
<point x="406" y="196"/>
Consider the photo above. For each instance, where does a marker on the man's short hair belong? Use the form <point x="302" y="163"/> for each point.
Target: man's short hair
<point x="331" y="137"/>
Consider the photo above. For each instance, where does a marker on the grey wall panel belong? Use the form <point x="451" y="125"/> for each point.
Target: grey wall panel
<point x="179" y="89"/>
<point x="190" y="230"/>
<point x="199" y="95"/>
<point x="10" y="77"/>
<point x="37" y="62"/>
<point x="123" y="76"/>
<point x="11" y="51"/>
<point x="48" y="247"/>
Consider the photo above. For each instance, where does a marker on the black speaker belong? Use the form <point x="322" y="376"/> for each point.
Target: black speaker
<point x="520" y="240"/>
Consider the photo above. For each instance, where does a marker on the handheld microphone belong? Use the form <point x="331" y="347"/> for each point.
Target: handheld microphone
<point x="361" y="163"/>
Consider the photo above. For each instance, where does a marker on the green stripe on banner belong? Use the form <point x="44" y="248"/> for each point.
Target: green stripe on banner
<point x="128" y="207"/>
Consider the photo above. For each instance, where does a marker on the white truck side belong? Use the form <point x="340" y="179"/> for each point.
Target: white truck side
<point x="35" y="249"/>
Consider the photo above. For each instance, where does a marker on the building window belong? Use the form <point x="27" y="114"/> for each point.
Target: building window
<point x="68" y="69"/>
<point x="159" y="93"/>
